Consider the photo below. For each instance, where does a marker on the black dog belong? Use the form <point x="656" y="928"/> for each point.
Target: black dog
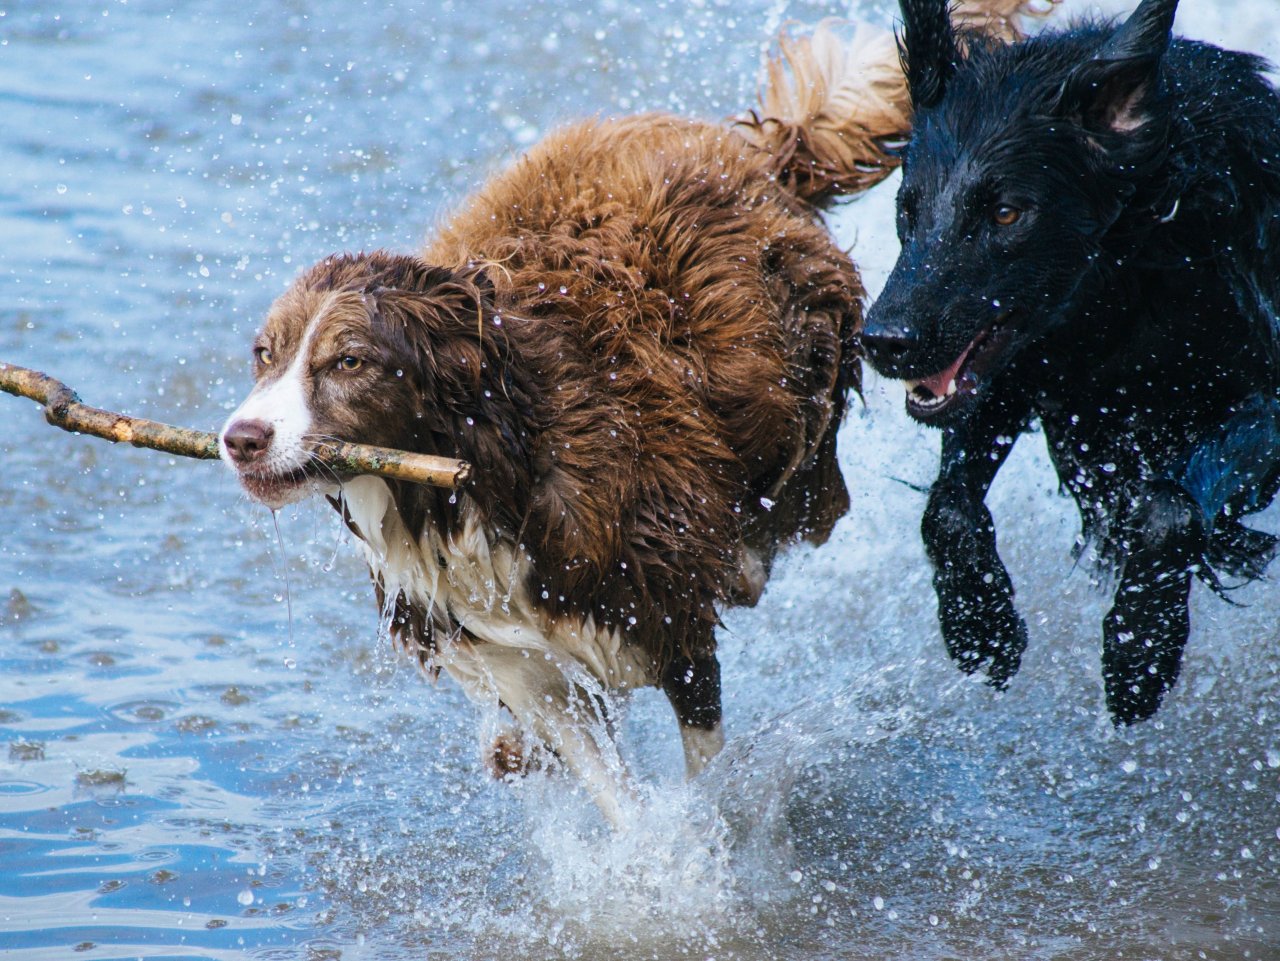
<point x="1090" y="227"/>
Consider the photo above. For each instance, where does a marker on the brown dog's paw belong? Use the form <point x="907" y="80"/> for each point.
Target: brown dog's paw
<point x="506" y="756"/>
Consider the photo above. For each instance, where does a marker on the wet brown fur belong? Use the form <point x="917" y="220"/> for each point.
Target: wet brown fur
<point x="639" y="342"/>
<point x="642" y="337"/>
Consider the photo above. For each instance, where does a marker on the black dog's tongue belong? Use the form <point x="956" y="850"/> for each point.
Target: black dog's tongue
<point x="943" y="382"/>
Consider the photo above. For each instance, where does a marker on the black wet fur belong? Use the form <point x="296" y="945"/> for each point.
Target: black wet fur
<point x="1130" y="303"/>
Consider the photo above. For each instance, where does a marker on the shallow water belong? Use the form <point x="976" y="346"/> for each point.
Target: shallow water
<point x="187" y="774"/>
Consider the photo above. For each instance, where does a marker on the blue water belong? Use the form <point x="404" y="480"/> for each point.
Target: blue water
<point x="188" y="772"/>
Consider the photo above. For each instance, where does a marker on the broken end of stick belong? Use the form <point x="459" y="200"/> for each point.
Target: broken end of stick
<point x="355" y="459"/>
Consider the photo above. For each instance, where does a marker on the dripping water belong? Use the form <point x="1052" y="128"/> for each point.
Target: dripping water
<point x="284" y="575"/>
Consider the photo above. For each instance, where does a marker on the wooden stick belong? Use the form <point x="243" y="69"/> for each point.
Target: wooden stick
<point x="62" y="408"/>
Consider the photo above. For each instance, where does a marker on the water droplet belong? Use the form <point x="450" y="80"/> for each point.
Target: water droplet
<point x="62" y="188"/>
<point x="245" y="897"/>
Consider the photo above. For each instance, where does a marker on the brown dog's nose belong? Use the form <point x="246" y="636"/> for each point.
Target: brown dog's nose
<point x="248" y="440"/>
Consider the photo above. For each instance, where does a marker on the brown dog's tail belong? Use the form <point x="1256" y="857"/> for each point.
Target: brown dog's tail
<point x="834" y="108"/>
<point x="999" y="19"/>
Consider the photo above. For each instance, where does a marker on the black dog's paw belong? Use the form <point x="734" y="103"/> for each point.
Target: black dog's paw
<point x="1141" y="659"/>
<point x="982" y="629"/>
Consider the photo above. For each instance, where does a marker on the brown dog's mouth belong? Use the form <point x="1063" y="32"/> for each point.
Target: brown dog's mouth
<point x="276" y="489"/>
<point x="930" y="397"/>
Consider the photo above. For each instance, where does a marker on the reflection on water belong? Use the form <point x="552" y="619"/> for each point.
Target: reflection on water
<point x="179" y="778"/>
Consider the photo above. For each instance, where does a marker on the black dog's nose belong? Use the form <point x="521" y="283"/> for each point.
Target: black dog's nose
<point x="248" y="440"/>
<point x="888" y="346"/>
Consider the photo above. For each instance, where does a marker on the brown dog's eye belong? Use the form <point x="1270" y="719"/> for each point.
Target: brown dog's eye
<point x="350" y="363"/>
<point x="1006" y="216"/>
<point x="263" y="356"/>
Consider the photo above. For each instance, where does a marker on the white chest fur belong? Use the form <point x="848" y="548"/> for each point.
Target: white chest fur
<point x="477" y="579"/>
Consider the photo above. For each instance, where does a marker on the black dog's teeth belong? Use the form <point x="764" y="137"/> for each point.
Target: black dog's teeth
<point x="923" y="398"/>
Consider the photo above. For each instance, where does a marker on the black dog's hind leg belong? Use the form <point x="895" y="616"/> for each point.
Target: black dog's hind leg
<point x="1146" y="629"/>
<point x="1235" y="472"/>
<point x="1171" y="528"/>
<point x="692" y="685"/>
<point x="979" y="623"/>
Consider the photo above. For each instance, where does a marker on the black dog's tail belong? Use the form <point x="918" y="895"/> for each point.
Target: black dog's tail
<point x="834" y="108"/>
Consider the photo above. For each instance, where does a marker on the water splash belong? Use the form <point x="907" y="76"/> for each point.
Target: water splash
<point x="668" y="876"/>
<point x="284" y="573"/>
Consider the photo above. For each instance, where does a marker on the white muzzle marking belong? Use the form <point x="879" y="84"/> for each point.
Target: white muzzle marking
<point x="282" y="404"/>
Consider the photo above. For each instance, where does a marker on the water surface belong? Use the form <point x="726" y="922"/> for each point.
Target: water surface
<point x="188" y="772"/>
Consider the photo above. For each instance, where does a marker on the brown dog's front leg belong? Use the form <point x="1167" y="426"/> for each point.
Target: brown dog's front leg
<point x="692" y="685"/>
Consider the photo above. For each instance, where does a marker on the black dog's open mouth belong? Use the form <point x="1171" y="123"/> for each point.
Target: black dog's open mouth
<point x="930" y="397"/>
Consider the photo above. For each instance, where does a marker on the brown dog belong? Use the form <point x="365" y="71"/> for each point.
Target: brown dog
<point x="641" y="336"/>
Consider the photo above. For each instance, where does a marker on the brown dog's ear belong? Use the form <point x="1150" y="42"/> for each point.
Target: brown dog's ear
<point x="928" y="48"/>
<point x="414" y="275"/>
<point x="480" y="277"/>
<point x="1112" y="93"/>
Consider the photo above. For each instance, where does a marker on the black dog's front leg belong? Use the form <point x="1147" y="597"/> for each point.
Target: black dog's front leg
<point x="1146" y="629"/>
<point x="979" y="623"/>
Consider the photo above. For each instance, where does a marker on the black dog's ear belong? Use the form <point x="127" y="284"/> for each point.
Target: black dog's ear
<point x="1112" y="92"/>
<point x="927" y="46"/>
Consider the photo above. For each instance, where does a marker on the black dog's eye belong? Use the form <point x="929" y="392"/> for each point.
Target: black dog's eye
<point x="263" y="356"/>
<point x="350" y="363"/>
<point x="1005" y="215"/>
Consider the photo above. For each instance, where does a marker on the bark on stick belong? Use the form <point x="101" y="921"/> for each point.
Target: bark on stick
<point x="63" y="408"/>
